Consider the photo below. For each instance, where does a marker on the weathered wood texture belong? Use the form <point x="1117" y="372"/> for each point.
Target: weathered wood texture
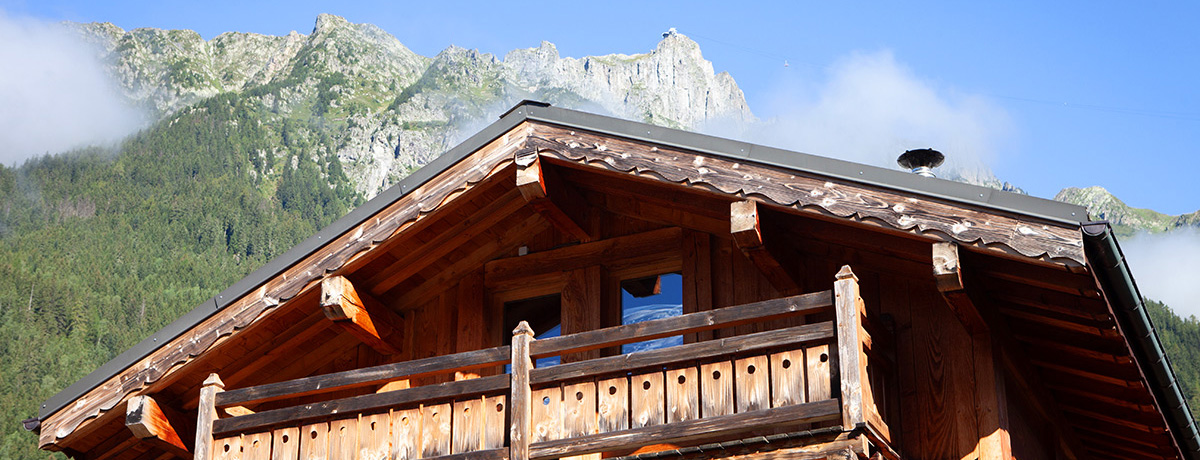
<point x="146" y="419"/>
<point x="206" y="415"/>
<point x="747" y="230"/>
<point x="358" y="312"/>
<point x="926" y="217"/>
<point x="555" y="200"/>
<point x="392" y="220"/>
<point x="521" y="395"/>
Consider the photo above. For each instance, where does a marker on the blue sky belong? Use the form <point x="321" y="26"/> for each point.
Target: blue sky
<point x="1095" y="93"/>
<point x="1048" y="94"/>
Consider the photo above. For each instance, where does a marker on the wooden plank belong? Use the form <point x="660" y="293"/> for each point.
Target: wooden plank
<point x="364" y="403"/>
<point x="709" y="427"/>
<point x="314" y="441"/>
<point x="343" y="438"/>
<point x="579" y="412"/>
<point x="547" y="414"/>
<point x="697" y="279"/>
<point x="716" y="389"/>
<point x="613" y="404"/>
<point x="467" y="426"/>
<point x="373" y="433"/>
<point x="787" y="378"/>
<point x="521" y="399"/>
<point x="747" y="230"/>
<point x="358" y="378"/>
<point x="495" y="412"/>
<point x="285" y="444"/>
<point x="686" y="352"/>
<point x="256" y="446"/>
<point x="229" y="448"/>
<point x="147" y="421"/>
<point x="582" y="255"/>
<point x="406" y="434"/>
<point x="472" y="318"/>
<point x="762" y="311"/>
<point x="752" y="383"/>
<point x="554" y="199"/>
<point x="683" y="394"/>
<point x="647" y="399"/>
<point x="207" y="416"/>
<point x="358" y="312"/>
<point x="435" y="429"/>
<point x="819" y="370"/>
<point x="581" y="305"/>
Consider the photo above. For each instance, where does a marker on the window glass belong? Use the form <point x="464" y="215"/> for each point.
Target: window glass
<point x="544" y="315"/>
<point x="650" y="298"/>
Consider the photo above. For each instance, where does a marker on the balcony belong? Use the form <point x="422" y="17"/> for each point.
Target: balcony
<point x="824" y="375"/>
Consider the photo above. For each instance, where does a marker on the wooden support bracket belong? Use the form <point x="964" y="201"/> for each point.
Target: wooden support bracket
<point x="372" y="322"/>
<point x="745" y="225"/>
<point x="991" y="399"/>
<point x="148" y="422"/>
<point x="554" y="199"/>
<point x="947" y="271"/>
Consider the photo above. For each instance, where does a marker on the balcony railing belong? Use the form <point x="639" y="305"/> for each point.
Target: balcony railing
<point x="820" y="372"/>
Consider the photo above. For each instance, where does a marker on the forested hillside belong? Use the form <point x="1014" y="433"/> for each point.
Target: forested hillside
<point x="102" y="248"/>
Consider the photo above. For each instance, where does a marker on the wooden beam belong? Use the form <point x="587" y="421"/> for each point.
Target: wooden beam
<point x="947" y="271"/>
<point x="147" y="421"/>
<point x="991" y="409"/>
<point x="514" y="269"/>
<point x="547" y="194"/>
<point x="358" y="312"/>
<point x="745" y="225"/>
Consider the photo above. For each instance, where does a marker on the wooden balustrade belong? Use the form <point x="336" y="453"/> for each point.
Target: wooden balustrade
<point x="713" y="389"/>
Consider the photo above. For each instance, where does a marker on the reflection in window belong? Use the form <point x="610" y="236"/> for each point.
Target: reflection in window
<point x="650" y="298"/>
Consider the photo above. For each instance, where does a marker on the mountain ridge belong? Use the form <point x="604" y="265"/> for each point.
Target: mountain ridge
<point x="392" y="109"/>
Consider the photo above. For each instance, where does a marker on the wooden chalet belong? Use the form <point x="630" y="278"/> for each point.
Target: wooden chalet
<point x="829" y="310"/>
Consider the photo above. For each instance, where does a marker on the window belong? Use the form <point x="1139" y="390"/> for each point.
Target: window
<point x="654" y="297"/>
<point x="544" y="315"/>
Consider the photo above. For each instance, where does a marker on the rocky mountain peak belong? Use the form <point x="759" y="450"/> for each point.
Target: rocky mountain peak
<point x="327" y="23"/>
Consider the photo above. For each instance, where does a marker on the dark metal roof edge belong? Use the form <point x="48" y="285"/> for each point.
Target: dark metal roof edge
<point x="280" y="263"/>
<point x="1116" y="280"/>
<point x="1054" y="211"/>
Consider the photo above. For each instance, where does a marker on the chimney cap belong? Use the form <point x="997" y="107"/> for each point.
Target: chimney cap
<point x="917" y="158"/>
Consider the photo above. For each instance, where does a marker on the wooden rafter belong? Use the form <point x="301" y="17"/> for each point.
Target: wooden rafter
<point x="362" y="315"/>
<point x="745" y="225"/>
<point x="554" y="199"/>
<point x="147" y="420"/>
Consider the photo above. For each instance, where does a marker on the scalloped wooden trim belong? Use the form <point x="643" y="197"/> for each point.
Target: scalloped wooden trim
<point x="306" y="274"/>
<point x="932" y="218"/>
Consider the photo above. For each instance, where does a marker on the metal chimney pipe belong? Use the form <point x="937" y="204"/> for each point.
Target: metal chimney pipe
<point x="921" y="161"/>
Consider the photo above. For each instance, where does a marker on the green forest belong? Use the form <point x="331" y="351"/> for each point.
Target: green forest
<point x="101" y="247"/>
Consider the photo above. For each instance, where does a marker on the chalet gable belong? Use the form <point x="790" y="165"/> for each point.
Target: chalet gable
<point x="552" y="201"/>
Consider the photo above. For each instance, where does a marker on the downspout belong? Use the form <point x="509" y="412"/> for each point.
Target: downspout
<point x="1111" y="271"/>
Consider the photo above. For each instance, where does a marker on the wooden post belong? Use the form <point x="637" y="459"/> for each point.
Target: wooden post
<point x="206" y="415"/>
<point x="849" y="347"/>
<point x="519" y="405"/>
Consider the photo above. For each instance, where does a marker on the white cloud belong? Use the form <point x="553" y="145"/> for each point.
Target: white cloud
<point x="870" y="109"/>
<point x="1166" y="268"/>
<point x="54" y="93"/>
